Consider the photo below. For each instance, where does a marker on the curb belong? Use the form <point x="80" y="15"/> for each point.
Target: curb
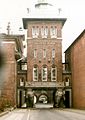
<point x="4" y="113"/>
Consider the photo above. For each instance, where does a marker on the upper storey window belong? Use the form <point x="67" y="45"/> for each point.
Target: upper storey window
<point x="35" y="31"/>
<point x="44" y="73"/>
<point x="53" y="73"/>
<point x="44" y="53"/>
<point x="21" y="81"/>
<point x="53" y="32"/>
<point x="44" y="32"/>
<point x="24" y="66"/>
<point x="53" y="53"/>
<point x="35" y="53"/>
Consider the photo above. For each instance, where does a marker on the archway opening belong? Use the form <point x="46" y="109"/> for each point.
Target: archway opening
<point x="43" y="99"/>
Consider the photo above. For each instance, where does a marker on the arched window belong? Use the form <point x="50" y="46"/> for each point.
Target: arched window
<point x="44" y="73"/>
<point x="53" y="73"/>
<point x="53" y="53"/>
<point x="44" y="53"/>
<point x="35" y="53"/>
<point x="35" y="73"/>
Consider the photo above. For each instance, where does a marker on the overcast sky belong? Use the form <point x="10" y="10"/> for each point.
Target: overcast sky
<point x="74" y="10"/>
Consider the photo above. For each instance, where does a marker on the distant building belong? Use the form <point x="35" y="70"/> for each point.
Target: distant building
<point x="41" y="77"/>
<point x="75" y="63"/>
<point x="12" y="50"/>
<point x="44" y="55"/>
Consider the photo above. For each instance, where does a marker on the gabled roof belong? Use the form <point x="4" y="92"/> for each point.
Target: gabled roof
<point x="78" y="38"/>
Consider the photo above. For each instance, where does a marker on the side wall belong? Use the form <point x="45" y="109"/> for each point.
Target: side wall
<point x="9" y="82"/>
<point x="77" y="63"/>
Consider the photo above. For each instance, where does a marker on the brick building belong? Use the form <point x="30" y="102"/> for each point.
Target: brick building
<point x="44" y="55"/>
<point x="12" y="50"/>
<point x="75" y="59"/>
<point x="41" y="74"/>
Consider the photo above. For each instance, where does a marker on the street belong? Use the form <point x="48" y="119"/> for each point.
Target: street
<point x="44" y="114"/>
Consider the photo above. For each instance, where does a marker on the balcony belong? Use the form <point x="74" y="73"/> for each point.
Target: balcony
<point x="44" y="84"/>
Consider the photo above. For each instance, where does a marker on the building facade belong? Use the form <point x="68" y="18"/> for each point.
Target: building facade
<point x="12" y="50"/>
<point x="44" y="55"/>
<point x="75" y="59"/>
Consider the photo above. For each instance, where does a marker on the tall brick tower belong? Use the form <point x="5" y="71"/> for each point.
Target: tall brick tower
<point x="44" y="52"/>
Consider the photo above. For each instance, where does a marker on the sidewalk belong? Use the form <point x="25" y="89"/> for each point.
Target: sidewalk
<point x="75" y="111"/>
<point x="6" y="111"/>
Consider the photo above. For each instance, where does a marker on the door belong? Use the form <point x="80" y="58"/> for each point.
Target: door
<point x="67" y="99"/>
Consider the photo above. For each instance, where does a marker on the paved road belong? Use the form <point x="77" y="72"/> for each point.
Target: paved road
<point x="44" y="114"/>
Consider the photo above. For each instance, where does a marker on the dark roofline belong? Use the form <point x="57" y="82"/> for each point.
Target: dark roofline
<point x="38" y="4"/>
<point x="25" y="20"/>
<point x="81" y="34"/>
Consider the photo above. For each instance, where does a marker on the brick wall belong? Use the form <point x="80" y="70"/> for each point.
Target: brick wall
<point x="39" y="45"/>
<point x="77" y="59"/>
<point x="9" y="82"/>
<point x="44" y="43"/>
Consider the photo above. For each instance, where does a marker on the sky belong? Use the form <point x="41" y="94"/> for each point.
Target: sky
<point x="14" y="10"/>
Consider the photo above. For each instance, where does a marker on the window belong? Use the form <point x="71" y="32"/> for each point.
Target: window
<point x="35" y="73"/>
<point x="24" y="66"/>
<point x="44" y="32"/>
<point x="22" y="81"/>
<point x="53" y="53"/>
<point x="44" y="53"/>
<point x="35" y="53"/>
<point x="44" y="73"/>
<point x="35" y="32"/>
<point x="53" y="32"/>
<point x="53" y="73"/>
<point x="67" y="81"/>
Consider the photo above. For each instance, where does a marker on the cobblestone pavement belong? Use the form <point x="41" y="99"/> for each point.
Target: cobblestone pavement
<point x="45" y="114"/>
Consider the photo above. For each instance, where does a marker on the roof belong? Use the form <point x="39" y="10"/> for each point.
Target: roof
<point x="44" y="11"/>
<point x="17" y="38"/>
<point x="78" y="38"/>
<point x="26" y="20"/>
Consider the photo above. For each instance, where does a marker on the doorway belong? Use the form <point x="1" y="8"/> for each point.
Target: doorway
<point x="67" y="99"/>
<point x="20" y="100"/>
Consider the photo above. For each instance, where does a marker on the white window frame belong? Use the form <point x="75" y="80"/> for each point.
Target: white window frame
<point x="53" y="32"/>
<point x="35" y="31"/>
<point x="35" y="53"/>
<point x="35" y="77"/>
<point x="44" y="53"/>
<point x="44" y="32"/>
<point x="44" y="78"/>
<point x="53" y="78"/>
